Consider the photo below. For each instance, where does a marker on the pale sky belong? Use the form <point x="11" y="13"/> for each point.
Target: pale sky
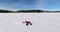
<point x="30" y="4"/>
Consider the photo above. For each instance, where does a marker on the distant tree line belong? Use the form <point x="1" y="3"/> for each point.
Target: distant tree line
<point x="4" y="11"/>
<point x="27" y="11"/>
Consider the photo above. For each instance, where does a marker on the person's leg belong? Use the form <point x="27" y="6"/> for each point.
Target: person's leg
<point x="30" y="23"/>
<point x="26" y="24"/>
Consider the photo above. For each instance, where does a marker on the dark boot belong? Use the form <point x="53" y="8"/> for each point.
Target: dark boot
<point x="30" y="23"/>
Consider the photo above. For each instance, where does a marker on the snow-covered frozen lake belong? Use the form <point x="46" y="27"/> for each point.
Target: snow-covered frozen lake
<point x="42" y="22"/>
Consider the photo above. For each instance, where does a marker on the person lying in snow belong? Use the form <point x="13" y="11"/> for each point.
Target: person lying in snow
<point x="27" y="23"/>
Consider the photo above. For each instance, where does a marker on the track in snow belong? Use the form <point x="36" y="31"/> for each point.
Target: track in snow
<point x="42" y="22"/>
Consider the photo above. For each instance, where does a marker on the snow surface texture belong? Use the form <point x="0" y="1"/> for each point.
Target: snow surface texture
<point x="42" y="22"/>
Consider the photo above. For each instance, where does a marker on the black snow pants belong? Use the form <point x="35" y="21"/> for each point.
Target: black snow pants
<point x="28" y="23"/>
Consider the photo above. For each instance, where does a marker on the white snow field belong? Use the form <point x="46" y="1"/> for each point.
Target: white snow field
<point x="42" y="22"/>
